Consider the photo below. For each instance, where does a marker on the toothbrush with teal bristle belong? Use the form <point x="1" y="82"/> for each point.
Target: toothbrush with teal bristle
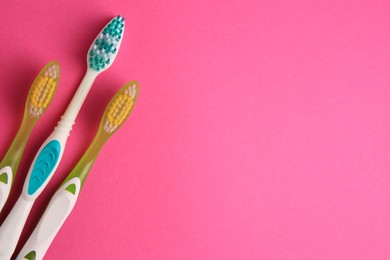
<point x="100" y="57"/>
<point x="64" y="200"/>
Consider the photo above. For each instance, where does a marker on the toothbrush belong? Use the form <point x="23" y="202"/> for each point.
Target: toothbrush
<point x="100" y="57"/>
<point x="64" y="199"/>
<point x="39" y="97"/>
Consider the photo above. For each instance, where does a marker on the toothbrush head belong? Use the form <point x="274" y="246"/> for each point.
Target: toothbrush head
<point x="105" y="47"/>
<point x="119" y="108"/>
<point x="43" y="89"/>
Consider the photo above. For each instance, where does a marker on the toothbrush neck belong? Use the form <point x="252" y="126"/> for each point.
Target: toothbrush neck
<point x="83" y="167"/>
<point x="14" y="153"/>
<point x="80" y="95"/>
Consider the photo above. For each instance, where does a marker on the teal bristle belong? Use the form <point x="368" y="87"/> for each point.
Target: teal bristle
<point x="105" y="46"/>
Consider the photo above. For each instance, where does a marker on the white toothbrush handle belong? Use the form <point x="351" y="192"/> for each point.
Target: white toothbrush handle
<point x="12" y="227"/>
<point x="5" y="186"/>
<point x="46" y="161"/>
<point x="59" y="208"/>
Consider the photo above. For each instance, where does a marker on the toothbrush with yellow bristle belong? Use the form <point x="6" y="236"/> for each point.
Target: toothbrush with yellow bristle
<point x="39" y="97"/>
<point x="64" y="199"/>
<point x="101" y="55"/>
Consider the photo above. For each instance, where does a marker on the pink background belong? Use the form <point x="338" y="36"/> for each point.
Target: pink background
<point x="261" y="130"/>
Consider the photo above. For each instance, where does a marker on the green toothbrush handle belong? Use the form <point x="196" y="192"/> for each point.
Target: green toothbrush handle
<point x="6" y="174"/>
<point x="9" y="164"/>
<point x="58" y="210"/>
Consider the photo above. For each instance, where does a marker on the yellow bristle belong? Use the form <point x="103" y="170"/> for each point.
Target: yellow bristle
<point x="43" y="89"/>
<point x="120" y="107"/>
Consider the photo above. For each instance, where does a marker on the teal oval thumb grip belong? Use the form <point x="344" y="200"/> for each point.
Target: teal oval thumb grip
<point x="44" y="166"/>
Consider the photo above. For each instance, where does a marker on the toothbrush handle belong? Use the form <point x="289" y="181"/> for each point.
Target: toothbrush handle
<point x="12" y="227"/>
<point x="47" y="160"/>
<point x="10" y="162"/>
<point x="59" y="208"/>
<point x="5" y="184"/>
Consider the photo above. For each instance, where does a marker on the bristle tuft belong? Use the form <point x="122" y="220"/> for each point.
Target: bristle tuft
<point x="103" y="50"/>
<point x="43" y="89"/>
<point x="119" y="108"/>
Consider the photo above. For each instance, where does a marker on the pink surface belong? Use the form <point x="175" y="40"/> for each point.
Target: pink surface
<point x="261" y="130"/>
